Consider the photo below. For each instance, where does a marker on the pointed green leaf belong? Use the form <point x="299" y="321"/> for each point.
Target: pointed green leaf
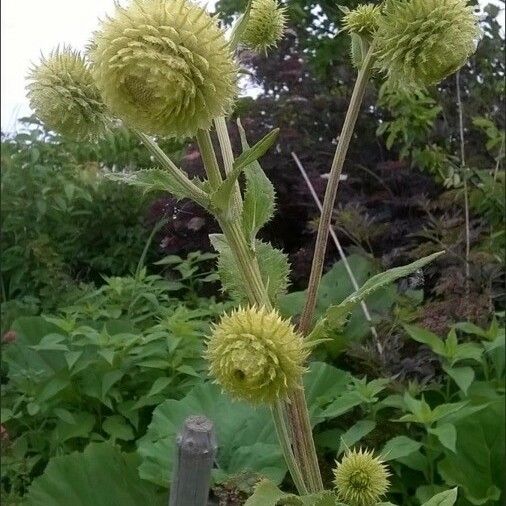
<point x="259" y="196"/>
<point x="446" y="498"/>
<point x="400" y="446"/>
<point x="250" y="155"/>
<point x="463" y="376"/>
<point x="240" y="26"/>
<point x="355" y="433"/>
<point x="427" y="337"/>
<point x="446" y="434"/>
<point x="337" y="315"/>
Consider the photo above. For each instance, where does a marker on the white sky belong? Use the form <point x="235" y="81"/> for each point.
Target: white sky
<point x="32" y="27"/>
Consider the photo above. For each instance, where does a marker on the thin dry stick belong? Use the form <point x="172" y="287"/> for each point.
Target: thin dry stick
<point x="464" y="177"/>
<point x="347" y="266"/>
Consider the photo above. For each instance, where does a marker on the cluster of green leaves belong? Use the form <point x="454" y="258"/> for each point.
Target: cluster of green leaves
<point x="95" y="370"/>
<point x="62" y="222"/>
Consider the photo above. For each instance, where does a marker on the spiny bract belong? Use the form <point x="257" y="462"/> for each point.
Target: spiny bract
<point x="64" y="96"/>
<point x="266" y="25"/>
<point x="256" y="356"/>
<point x="420" y="42"/>
<point x="363" y="20"/>
<point x="360" y="478"/>
<point x="164" y="67"/>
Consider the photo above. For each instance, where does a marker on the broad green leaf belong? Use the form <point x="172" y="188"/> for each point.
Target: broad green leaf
<point x="259" y="196"/>
<point x="109" y="379"/>
<point x="239" y="429"/>
<point x="152" y="180"/>
<point x="273" y="263"/>
<point x="118" y="428"/>
<point x="427" y="337"/>
<point x="337" y="316"/>
<point x="463" y="376"/>
<point x="100" y="476"/>
<point x="447" y="498"/>
<point x="446" y="434"/>
<point x="322" y="384"/>
<point x="341" y="405"/>
<point x="399" y="446"/>
<point x="443" y="410"/>
<point x="478" y="465"/>
<point x="355" y="433"/>
<point x="64" y="415"/>
<point x="81" y="427"/>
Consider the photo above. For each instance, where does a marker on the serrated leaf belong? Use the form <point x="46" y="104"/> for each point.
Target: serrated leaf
<point x="337" y="315"/>
<point x="446" y="434"/>
<point x="152" y="180"/>
<point x="259" y="195"/>
<point x="273" y="263"/>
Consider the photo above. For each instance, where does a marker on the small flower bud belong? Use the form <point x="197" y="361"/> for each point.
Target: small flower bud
<point x="265" y="27"/>
<point x="256" y="356"/>
<point x="420" y="42"/>
<point x="363" y="20"/>
<point x="360" y="478"/>
<point x="64" y="96"/>
<point x="164" y="67"/>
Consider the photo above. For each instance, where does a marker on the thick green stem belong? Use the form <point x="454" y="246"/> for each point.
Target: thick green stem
<point x="293" y="443"/>
<point x="228" y="156"/>
<point x="331" y="191"/>
<point x="278" y="415"/>
<point x="302" y="438"/>
<point x="194" y="192"/>
<point x="209" y="158"/>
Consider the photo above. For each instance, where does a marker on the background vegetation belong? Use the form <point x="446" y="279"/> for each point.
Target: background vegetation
<point x="107" y="293"/>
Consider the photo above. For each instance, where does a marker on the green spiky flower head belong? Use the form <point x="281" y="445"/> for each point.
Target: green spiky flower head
<point x="164" y="67"/>
<point x="363" y="20"/>
<point x="420" y="42"/>
<point x="266" y="25"/>
<point x="360" y="478"/>
<point x="256" y="356"/>
<point x="64" y="96"/>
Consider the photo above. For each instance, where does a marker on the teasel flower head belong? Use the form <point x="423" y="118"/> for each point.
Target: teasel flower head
<point x="256" y="356"/>
<point x="363" y="20"/>
<point x="420" y="42"/>
<point x="164" y="67"/>
<point x="63" y="95"/>
<point x="266" y="25"/>
<point x="360" y="478"/>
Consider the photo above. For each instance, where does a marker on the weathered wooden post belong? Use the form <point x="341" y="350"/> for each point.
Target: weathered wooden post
<point x="195" y="452"/>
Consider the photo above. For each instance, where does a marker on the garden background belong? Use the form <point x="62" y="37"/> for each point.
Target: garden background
<point x="107" y="293"/>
